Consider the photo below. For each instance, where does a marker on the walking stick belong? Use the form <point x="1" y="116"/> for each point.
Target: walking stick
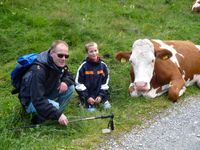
<point x="110" y="124"/>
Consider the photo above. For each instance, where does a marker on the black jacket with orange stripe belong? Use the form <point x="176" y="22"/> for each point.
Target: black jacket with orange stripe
<point x="92" y="80"/>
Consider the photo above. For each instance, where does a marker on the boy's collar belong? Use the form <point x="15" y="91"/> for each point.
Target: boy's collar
<point x="98" y="59"/>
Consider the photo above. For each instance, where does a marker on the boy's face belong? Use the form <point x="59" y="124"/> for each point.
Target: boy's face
<point x="93" y="53"/>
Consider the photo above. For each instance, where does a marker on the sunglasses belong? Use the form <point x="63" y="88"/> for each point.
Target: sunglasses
<point x="62" y="55"/>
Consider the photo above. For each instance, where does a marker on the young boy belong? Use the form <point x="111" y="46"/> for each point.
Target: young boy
<point x="92" y="79"/>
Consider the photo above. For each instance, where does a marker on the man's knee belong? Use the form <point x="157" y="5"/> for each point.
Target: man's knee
<point x="69" y="92"/>
<point x="71" y="89"/>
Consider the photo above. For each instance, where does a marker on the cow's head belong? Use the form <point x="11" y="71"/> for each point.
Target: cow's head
<point x="196" y="6"/>
<point x="142" y="59"/>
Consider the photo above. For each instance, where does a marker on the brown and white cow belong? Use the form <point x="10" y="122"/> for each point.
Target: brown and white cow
<point x="160" y="66"/>
<point x="196" y="6"/>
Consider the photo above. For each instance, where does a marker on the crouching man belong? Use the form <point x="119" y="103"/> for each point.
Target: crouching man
<point x="47" y="86"/>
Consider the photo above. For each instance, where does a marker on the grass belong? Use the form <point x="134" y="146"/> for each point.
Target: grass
<point x="31" y="26"/>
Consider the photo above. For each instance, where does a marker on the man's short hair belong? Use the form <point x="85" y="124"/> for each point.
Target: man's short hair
<point x="57" y="42"/>
<point x="90" y="44"/>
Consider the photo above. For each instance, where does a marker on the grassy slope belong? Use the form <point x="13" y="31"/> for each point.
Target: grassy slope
<point x="27" y="26"/>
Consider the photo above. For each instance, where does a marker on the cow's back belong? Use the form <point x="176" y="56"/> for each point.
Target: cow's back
<point x="188" y="56"/>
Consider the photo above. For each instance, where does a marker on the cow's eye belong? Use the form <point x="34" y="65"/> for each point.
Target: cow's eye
<point x="152" y="61"/>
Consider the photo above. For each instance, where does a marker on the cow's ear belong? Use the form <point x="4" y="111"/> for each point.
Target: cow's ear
<point x="123" y="56"/>
<point x="163" y="54"/>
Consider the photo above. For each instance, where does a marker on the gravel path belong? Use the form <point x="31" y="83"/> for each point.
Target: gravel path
<point x="178" y="128"/>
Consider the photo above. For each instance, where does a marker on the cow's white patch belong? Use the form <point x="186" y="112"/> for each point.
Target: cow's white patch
<point x="142" y="60"/>
<point x="165" y="87"/>
<point x="196" y="79"/>
<point x="182" y="91"/>
<point x="171" y="49"/>
<point x="189" y="82"/>
<point x="198" y="46"/>
<point x="183" y="74"/>
<point x="153" y="92"/>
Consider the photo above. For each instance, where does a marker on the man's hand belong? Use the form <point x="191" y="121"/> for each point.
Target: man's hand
<point x="63" y="120"/>
<point x="91" y="101"/>
<point x="63" y="87"/>
<point x="98" y="100"/>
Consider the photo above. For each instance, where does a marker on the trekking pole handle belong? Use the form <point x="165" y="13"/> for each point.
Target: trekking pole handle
<point x="108" y="116"/>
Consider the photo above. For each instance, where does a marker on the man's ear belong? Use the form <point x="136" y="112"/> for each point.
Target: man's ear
<point x="51" y="52"/>
<point x="163" y="54"/>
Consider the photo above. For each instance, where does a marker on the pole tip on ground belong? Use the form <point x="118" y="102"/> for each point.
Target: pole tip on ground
<point x="106" y="131"/>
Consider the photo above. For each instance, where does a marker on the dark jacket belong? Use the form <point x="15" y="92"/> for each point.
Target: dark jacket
<point x="92" y="80"/>
<point x="39" y="81"/>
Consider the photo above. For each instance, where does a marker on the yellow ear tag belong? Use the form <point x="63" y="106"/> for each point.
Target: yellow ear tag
<point x="165" y="57"/>
<point x="123" y="60"/>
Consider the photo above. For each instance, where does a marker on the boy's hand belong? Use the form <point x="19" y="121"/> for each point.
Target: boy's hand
<point x="98" y="100"/>
<point x="91" y="101"/>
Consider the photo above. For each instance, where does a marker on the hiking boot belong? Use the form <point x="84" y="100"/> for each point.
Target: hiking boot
<point x="107" y="105"/>
<point x="91" y="108"/>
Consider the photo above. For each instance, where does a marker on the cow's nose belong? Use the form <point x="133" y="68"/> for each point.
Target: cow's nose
<point x="141" y="86"/>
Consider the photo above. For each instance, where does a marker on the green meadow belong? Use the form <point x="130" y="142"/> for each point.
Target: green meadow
<point x="28" y="26"/>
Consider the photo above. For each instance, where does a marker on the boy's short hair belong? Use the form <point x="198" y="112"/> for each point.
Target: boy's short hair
<point x="90" y="44"/>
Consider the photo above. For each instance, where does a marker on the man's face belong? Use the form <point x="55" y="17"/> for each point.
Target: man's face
<point x="60" y="54"/>
<point x="93" y="53"/>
